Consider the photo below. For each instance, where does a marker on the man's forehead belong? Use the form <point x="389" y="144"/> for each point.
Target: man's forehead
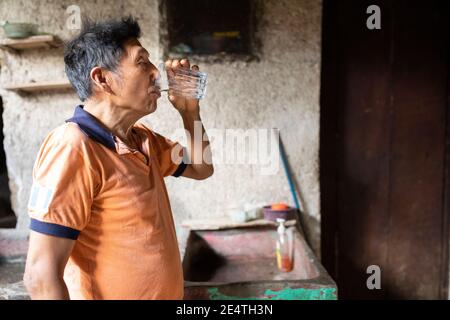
<point x="133" y="48"/>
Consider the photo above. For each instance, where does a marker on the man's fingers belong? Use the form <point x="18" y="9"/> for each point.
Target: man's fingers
<point x="170" y="95"/>
<point x="185" y="63"/>
<point x="173" y="97"/>
<point x="180" y="80"/>
<point x="168" y="67"/>
<point x="175" y="64"/>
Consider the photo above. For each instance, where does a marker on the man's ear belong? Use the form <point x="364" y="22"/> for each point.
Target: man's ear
<point x="100" y="80"/>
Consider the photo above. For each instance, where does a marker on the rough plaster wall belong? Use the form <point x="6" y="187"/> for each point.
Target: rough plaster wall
<point x="281" y="90"/>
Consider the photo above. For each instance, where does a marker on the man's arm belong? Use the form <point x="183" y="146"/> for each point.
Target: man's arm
<point x="44" y="270"/>
<point x="200" y="163"/>
<point x="199" y="152"/>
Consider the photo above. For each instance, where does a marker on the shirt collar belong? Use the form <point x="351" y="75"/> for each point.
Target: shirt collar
<point x="92" y="127"/>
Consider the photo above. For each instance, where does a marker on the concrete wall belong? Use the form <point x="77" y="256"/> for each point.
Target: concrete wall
<point x="280" y="90"/>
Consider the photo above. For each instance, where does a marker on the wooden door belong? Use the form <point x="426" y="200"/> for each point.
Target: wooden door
<point x="385" y="147"/>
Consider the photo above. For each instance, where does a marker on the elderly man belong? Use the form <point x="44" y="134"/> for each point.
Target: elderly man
<point x="101" y="222"/>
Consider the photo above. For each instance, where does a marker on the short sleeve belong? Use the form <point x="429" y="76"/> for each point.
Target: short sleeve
<point x="170" y="155"/>
<point x="62" y="192"/>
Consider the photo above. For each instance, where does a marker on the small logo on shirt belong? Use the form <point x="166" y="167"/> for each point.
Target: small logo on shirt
<point x="40" y="198"/>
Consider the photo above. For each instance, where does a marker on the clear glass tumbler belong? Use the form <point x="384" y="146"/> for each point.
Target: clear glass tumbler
<point x="183" y="82"/>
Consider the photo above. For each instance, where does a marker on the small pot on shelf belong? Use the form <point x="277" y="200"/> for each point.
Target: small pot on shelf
<point x="279" y="211"/>
<point x="18" y="30"/>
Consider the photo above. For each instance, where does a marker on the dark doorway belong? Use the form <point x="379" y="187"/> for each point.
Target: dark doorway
<point x="385" y="148"/>
<point x="7" y="216"/>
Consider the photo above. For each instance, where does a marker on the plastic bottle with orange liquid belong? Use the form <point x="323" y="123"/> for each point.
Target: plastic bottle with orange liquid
<point x="284" y="248"/>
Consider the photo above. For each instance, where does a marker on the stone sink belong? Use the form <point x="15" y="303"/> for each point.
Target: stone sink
<point x="240" y="263"/>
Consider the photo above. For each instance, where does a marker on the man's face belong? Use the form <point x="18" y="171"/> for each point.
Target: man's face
<point x="135" y="86"/>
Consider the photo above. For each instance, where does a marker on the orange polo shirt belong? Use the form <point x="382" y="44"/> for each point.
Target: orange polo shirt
<point x="91" y="187"/>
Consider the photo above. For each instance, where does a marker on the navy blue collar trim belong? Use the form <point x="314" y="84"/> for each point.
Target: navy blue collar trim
<point x="92" y="127"/>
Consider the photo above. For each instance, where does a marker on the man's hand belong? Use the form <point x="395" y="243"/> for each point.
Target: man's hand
<point x="200" y="166"/>
<point x="183" y="105"/>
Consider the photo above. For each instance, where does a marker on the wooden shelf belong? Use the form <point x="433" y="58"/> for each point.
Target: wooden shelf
<point x="33" y="42"/>
<point x="40" y="86"/>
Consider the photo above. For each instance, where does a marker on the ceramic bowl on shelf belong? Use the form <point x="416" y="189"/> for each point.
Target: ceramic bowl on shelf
<point x="272" y="212"/>
<point x="19" y="30"/>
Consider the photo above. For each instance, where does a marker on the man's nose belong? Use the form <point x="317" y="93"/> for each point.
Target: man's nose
<point x="155" y="75"/>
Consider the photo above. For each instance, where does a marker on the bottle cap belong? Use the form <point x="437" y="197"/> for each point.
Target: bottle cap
<point x="281" y="228"/>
